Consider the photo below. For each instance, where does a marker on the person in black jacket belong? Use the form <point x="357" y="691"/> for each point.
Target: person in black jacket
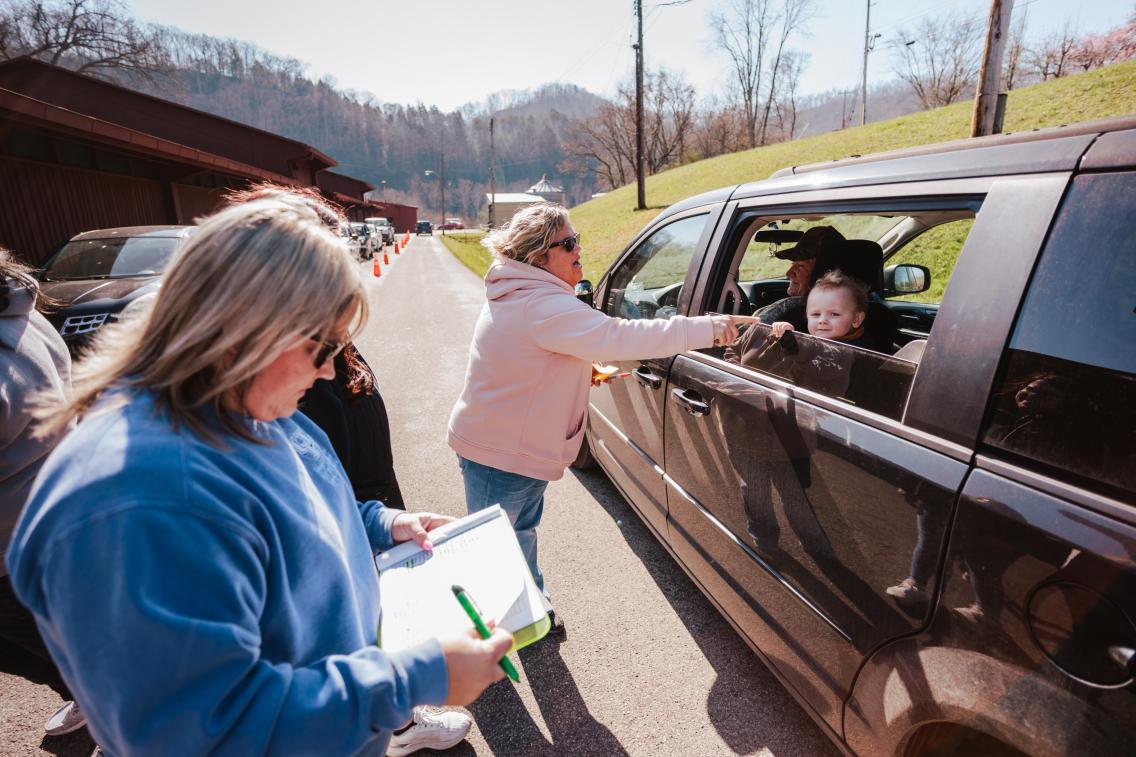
<point x="351" y="412"/>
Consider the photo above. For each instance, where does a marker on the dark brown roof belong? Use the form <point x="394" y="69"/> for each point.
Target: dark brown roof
<point x="194" y="129"/>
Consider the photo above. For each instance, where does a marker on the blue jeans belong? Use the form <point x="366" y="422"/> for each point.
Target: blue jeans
<point x="521" y="497"/>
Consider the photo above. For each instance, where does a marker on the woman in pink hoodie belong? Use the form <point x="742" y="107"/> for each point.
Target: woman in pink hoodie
<point x="520" y="419"/>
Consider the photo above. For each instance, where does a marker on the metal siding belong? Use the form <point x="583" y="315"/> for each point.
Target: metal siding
<point x="197" y="201"/>
<point x="53" y="203"/>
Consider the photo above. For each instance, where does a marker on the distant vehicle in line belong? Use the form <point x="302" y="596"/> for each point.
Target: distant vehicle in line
<point x="367" y="241"/>
<point x="385" y="228"/>
<point x="453" y="223"/>
<point x="423" y="227"/>
<point x="98" y="274"/>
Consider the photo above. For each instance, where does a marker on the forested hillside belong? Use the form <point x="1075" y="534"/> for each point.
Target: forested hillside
<point x="373" y="140"/>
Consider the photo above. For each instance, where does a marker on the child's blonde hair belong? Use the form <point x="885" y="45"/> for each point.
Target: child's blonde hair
<point x="837" y="279"/>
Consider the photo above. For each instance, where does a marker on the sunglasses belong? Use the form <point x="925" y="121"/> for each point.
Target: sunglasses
<point x="569" y="243"/>
<point x="327" y="350"/>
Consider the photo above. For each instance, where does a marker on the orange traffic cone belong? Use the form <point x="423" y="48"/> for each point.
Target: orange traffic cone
<point x="396" y="252"/>
<point x="386" y="260"/>
<point x="378" y="271"/>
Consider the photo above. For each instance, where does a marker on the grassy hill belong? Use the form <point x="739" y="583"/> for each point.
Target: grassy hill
<point x="608" y="223"/>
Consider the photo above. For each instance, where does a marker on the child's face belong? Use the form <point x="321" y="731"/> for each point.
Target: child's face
<point x="832" y="313"/>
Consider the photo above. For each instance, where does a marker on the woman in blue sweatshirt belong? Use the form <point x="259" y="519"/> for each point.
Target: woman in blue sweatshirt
<point x="192" y="551"/>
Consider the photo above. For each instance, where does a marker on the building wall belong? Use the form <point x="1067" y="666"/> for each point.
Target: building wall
<point x="195" y="202"/>
<point x="57" y="202"/>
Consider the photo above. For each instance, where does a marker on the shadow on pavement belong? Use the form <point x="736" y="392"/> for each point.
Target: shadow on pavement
<point x="734" y="708"/>
<point x="508" y="729"/>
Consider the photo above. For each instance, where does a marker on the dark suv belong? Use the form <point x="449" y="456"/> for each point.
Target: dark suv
<point x="97" y="274"/>
<point x="930" y="544"/>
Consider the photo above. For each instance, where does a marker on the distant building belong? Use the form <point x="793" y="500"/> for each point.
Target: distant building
<point x="508" y="203"/>
<point x="545" y="189"/>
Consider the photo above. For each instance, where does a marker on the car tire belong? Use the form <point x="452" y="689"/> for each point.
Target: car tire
<point x="584" y="458"/>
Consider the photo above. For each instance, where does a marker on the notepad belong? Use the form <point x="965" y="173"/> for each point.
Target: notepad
<point x="480" y="552"/>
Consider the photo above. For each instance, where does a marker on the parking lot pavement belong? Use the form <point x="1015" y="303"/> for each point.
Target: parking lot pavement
<point x="648" y="666"/>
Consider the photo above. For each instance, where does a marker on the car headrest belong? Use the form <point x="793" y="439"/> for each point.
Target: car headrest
<point x="861" y="259"/>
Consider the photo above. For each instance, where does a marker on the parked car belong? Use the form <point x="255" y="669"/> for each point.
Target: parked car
<point x="384" y="227"/>
<point x="933" y="550"/>
<point x="423" y="227"/>
<point x="367" y="242"/>
<point x="453" y="223"/>
<point x="97" y="274"/>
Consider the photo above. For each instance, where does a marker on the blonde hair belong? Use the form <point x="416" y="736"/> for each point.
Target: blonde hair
<point x="253" y="280"/>
<point x="526" y="237"/>
<point x="837" y="279"/>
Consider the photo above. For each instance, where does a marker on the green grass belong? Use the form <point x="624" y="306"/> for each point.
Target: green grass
<point x="608" y="223"/>
<point x="467" y="248"/>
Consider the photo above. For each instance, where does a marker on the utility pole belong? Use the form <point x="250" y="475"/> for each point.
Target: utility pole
<point x="443" y="190"/>
<point x="492" y="175"/>
<point x="640" y="181"/>
<point x="869" y="44"/>
<point x="987" y="98"/>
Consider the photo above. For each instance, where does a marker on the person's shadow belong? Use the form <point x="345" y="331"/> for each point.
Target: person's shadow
<point x="508" y="729"/>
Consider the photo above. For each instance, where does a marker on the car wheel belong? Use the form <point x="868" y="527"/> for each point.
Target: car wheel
<point x="584" y="459"/>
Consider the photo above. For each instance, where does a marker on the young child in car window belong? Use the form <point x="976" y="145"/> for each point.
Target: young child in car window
<point x="836" y="309"/>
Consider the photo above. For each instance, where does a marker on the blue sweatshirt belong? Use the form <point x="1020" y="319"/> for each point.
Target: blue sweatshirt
<point x="202" y="600"/>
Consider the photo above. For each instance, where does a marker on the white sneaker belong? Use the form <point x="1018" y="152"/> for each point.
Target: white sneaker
<point x="66" y="719"/>
<point x="432" y="729"/>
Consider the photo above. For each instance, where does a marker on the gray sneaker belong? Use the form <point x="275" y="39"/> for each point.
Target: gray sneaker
<point x="66" y="719"/>
<point x="432" y="729"/>
<point x="909" y="596"/>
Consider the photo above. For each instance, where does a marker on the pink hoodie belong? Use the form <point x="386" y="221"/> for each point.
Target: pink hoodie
<point x="526" y="387"/>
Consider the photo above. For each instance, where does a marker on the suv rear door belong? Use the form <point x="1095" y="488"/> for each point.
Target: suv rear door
<point x="797" y="507"/>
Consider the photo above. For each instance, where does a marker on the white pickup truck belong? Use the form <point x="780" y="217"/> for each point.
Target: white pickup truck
<point x="385" y="228"/>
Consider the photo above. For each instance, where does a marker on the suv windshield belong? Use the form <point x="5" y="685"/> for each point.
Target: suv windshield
<point x="111" y="258"/>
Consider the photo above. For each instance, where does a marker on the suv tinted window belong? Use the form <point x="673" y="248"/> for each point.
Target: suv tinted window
<point x="874" y="371"/>
<point x="648" y="282"/>
<point x="1066" y="397"/>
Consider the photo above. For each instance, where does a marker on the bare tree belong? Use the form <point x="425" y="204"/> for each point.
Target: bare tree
<point x="940" y="59"/>
<point x="89" y="36"/>
<point x="669" y="116"/>
<point x="1012" y="66"/>
<point x="792" y="17"/>
<point x="1050" y="58"/>
<point x="716" y="130"/>
<point x="741" y="30"/>
<point x="792" y="64"/>
<point x="605" y="143"/>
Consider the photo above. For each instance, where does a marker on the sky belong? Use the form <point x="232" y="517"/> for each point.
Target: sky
<point x="451" y="52"/>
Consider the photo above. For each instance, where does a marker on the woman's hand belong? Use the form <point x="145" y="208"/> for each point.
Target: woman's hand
<point x="778" y="329"/>
<point x="415" y="526"/>
<point x="472" y="664"/>
<point x="726" y="327"/>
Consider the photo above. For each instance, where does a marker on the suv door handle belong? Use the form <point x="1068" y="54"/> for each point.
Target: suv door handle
<point x="647" y="379"/>
<point x="691" y="401"/>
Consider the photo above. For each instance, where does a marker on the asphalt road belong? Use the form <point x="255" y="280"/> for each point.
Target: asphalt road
<point x="648" y="667"/>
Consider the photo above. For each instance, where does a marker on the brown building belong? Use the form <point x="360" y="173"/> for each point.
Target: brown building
<point x="78" y="153"/>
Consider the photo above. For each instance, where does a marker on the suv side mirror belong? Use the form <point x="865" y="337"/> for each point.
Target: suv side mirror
<point x="584" y="292"/>
<point x="906" y="278"/>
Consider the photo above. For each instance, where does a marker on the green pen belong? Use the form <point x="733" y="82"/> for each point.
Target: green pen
<point x="482" y="629"/>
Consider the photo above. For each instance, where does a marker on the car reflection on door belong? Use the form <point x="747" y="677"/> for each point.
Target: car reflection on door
<point x="801" y="518"/>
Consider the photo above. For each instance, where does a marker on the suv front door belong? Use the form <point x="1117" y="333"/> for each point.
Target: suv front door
<point x="626" y="416"/>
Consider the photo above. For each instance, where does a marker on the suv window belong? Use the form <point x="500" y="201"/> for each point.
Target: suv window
<point x="647" y="283"/>
<point x="1066" y="395"/>
<point x="876" y="371"/>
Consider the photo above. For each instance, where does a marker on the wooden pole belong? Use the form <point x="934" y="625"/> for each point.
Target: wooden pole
<point x="492" y="176"/>
<point x="864" y="80"/>
<point x="990" y="74"/>
<point x="640" y="181"/>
